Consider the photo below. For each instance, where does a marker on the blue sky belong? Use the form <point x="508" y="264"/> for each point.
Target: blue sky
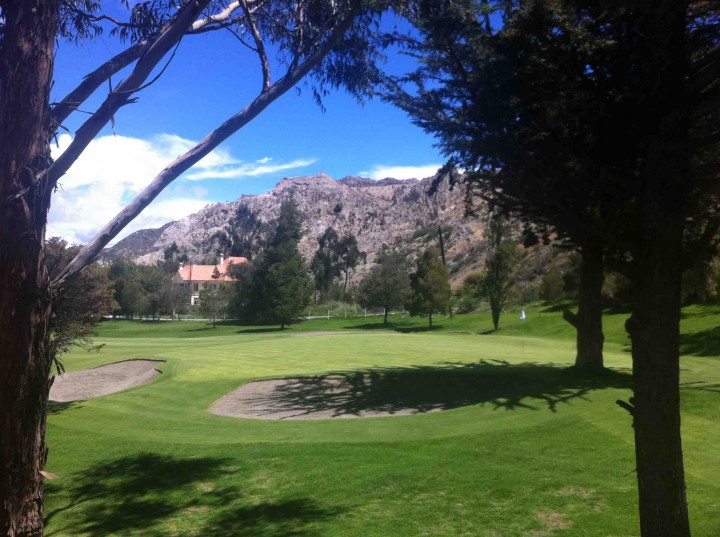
<point x="212" y="77"/>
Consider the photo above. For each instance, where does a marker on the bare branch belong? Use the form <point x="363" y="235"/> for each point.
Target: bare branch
<point x="216" y="26"/>
<point x="168" y="37"/>
<point x="219" y="17"/>
<point x="94" y="80"/>
<point x="259" y="46"/>
<point x="210" y="142"/>
<point x="298" y="38"/>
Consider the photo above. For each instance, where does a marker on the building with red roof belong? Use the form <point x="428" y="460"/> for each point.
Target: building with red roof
<point x="195" y="278"/>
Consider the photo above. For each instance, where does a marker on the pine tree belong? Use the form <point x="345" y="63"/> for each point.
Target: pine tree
<point x="279" y="287"/>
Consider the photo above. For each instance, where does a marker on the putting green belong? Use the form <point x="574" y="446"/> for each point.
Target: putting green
<point x="524" y="445"/>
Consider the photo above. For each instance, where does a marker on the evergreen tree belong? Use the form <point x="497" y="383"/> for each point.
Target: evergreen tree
<point x="287" y="287"/>
<point x="429" y="283"/>
<point x="387" y="285"/>
<point x="599" y="119"/>
<point x="509" y="113"/>
<point x="277" y="287"/>
<point x="551" y="288"/>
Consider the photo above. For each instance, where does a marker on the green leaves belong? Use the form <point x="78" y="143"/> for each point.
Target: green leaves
<point x="430" y="288"/>
<point x="277" y="287"/>
<point x="387" y="285"/>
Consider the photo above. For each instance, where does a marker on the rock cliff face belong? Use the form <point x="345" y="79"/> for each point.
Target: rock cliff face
<point x="399" y="214"/>
<point x="139" y="243"/>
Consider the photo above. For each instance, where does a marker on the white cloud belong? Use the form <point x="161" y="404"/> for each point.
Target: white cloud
<point x="114" y="169"/>
<point x="110" y="173"/>
<point x="248" y="169"/>
<point x="401" y="172"/>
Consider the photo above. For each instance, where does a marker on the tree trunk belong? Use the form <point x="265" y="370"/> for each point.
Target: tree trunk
<point x="588" y="321"/>
<point x="26" y="63"/>
<point x="654" y="329"/>
<point x="430" y="319"/>
<point x="385" y="311"/>
<point x="495" y="313"/>
<point x="655" y="323"/>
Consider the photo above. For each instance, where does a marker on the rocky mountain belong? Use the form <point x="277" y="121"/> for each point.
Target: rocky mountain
<point x="399" y="214"/>
<point x="137" y="244"/>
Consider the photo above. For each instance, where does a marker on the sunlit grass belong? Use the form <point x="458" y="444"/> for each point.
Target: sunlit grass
<point x="538" y="449"/>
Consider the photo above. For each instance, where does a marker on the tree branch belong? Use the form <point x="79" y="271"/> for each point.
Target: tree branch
<point x="225" y="14"/>
<point x="168" y="37"/>
<point x="259" y="45"/>
<point x="92" y="81"/>
<point x="298" y="38"/>
<point x="571" y="318"/>
<point x="216" y="26"/>
<point x="210" y="142"/>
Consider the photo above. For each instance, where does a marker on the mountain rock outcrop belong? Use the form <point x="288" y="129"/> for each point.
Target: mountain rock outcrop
<point x="389" y="212"/>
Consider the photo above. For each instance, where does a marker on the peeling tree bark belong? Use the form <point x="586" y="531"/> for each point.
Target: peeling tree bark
<point x="26" y="66"/>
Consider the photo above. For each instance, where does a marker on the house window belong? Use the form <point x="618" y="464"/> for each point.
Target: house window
<point x="195" y="287"/>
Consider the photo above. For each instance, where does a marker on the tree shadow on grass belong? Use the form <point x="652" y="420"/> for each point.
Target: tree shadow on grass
<point x="702" y="343"/>
<point x="701" y="385"/>
<point x="267" y="330"/>
<point x="420" y="389"/>
<point x="56" y="407"/>
<point x="201" y="329"/>
<point x="273" y="519"/>
<point x="372" y="326"/>
<point x="141" y="494"/>
<point x="394" y="327"/>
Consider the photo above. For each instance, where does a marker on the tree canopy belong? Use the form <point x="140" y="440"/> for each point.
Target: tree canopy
<point x="80" y="306"/>
<point x="277" y="286"/>
<point x="324" y="264"/>
<point x="500" y="258"/>
<point x="599" y="119"/>
<point x="387" y="284"/>
<point x="430" y="287"/>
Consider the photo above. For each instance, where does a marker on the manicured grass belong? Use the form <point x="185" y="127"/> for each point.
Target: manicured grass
<point x="538" y="450"/>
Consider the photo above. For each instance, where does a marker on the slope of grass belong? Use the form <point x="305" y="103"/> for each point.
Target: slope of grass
<point x="526" y="446"/>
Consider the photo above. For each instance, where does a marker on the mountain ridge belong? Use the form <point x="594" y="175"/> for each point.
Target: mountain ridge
<point x="388" y="212"/>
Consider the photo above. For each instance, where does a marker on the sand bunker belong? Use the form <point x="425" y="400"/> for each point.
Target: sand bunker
<point x="310" y="398"/>
<point x="103" y="380"/>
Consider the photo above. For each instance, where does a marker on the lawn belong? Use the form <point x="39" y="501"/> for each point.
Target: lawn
<point x="526" y="447"/>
